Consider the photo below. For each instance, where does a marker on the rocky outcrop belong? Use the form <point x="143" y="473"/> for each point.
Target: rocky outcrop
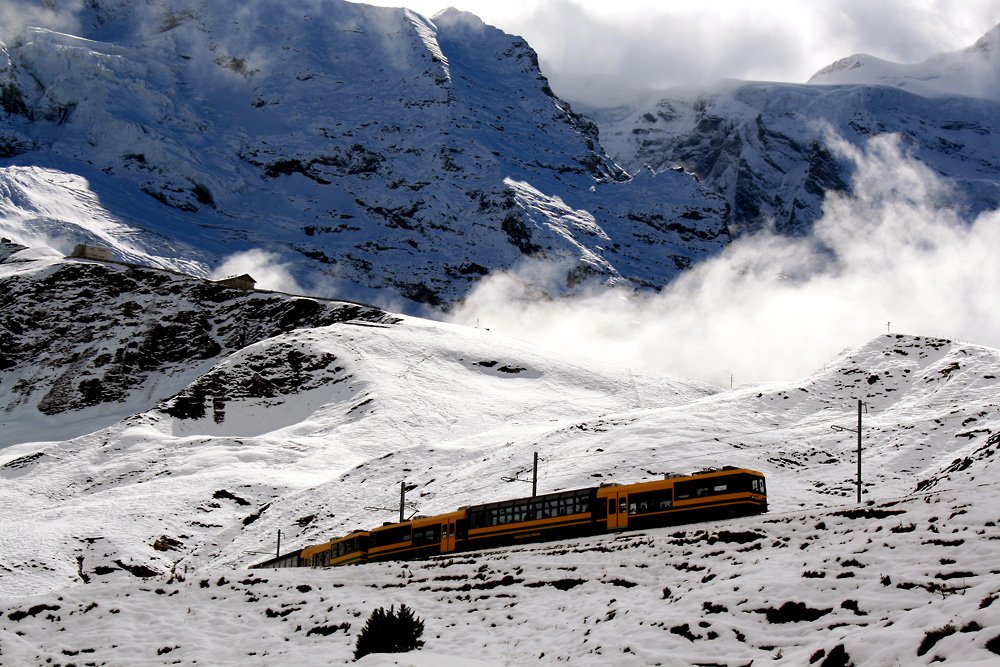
<point x="84" y="334"/>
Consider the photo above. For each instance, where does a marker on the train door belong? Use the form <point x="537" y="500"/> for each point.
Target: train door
<point x="448" y="536"/>
<point x="618" y="510"/>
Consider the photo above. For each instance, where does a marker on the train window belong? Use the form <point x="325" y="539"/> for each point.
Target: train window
<point x="612" y="506"/>
<point x="653" y="501"/>
<point x="632" y="508"/>
<point x="392" y="536"/>
<point x="551" y="508"/>
<point x="716" y="486"/>
<point x="428" y="535"/>
<point x="451" y="531"/>
<point x="622" y="504"/>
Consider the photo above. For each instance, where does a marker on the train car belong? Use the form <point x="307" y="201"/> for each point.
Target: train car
<point x="417" y="538"/>
<point x="341" y="551"/>
<point x="290" y="559"/>
<point x="714" y="494"/>
<point x="704" y="496"/>
<point x="548" y="517"/>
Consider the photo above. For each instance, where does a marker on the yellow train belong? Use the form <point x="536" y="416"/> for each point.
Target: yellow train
<point x="703" y="496"/>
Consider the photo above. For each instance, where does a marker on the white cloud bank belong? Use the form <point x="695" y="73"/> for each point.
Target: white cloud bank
<point x="267" y="268"/>
<point x="772" y="308"/>
<point x="598" y="52"/>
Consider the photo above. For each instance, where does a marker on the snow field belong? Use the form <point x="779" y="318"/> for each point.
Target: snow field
<point x="776" y="587"/>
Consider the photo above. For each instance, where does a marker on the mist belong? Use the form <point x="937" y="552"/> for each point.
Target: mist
<point x="891" y="257"/>
<point x="266" y="268"/>
<point x="605" y="53"/>
<point x="16" y="15"/>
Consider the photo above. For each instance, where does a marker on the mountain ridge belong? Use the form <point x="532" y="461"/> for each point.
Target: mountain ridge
<point x="772" y="148"/>
<point x="369" y="150"/>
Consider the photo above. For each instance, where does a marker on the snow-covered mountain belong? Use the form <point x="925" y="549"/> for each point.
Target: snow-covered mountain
<point x="371" y="150"/>
<point x="772" y="148"/>
<point x="158" y="429"/>
<point x="130" y="537"/>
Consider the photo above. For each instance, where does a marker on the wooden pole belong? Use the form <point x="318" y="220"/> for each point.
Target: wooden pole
<point x="859" y="451"/>
<point x="534" y="478"/>
<point x="402" y="501"/>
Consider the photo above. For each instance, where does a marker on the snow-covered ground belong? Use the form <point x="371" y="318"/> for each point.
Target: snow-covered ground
<point x="161" y="513"/>
<point x="782" y="588"/>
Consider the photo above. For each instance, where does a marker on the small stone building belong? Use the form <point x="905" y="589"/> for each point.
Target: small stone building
<point x="239" y="282"/>
<point x="84" y="251"/>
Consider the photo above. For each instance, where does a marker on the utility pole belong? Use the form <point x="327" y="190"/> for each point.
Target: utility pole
<point x="534" y="477"/>
<point x="402" y="501"/>
<point x="278" y="550"/>
<point x="402" y="504"/>
<point x="859" y="451"/>
<point x="858" y="431"/>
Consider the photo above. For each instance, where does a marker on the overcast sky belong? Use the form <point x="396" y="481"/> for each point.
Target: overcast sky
<point x="603" y="47"/>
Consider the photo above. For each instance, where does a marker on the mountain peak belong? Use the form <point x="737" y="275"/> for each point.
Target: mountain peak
<point x="451" y="17"/>
<point x="972" y="72"/>
<point x="988" y="43"/>
<point x="854" y="62"/>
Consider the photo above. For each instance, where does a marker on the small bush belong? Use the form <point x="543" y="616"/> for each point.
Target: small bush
<point x="932" y="637"/>
<point x="390" y="632"/>
<point x="838" y="658"/>
<point x="793" y="612"/>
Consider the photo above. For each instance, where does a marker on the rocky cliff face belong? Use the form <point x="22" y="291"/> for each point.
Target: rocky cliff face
<point x="369" y="147"/>
<point x="86" y="340"/>
<point x="770" y="148"/>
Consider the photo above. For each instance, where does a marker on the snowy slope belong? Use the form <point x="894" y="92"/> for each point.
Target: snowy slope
<point x="971" y="72"/>
<point x="248" y="422"/>
<point x="303" y="430"/>
<point x="862" y="587"/>
<point x="772" y="148"/>
<point x="85" y="344"/>
<point x="371" y="150"/>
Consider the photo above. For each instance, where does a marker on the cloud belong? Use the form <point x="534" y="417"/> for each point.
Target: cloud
<point x="774" y="308"/>
<point x="16" y="15"/>
<point x="595" y="51"/>
<point x="265" y="267"/>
